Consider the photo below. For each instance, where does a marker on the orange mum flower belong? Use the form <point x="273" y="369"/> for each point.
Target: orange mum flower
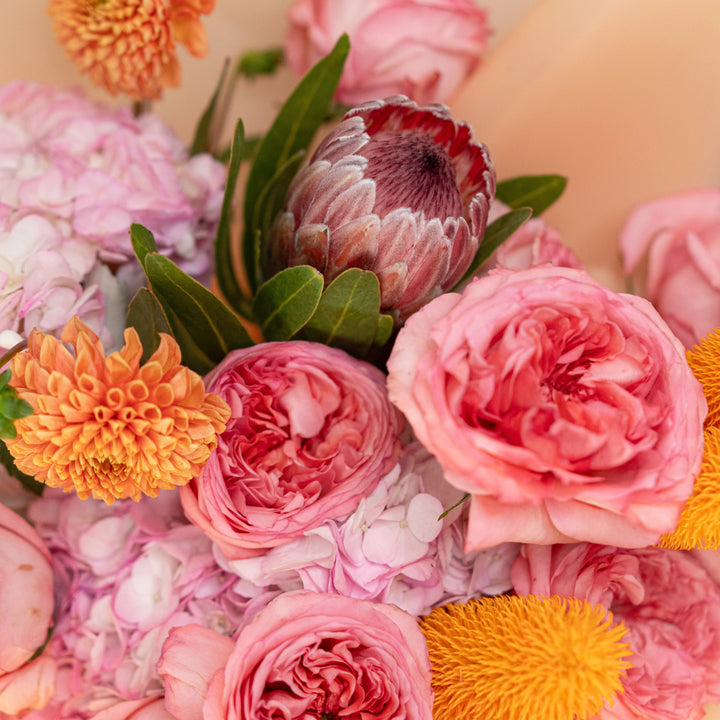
<point x="129" y="45"/>
<point x="107" y="426"/>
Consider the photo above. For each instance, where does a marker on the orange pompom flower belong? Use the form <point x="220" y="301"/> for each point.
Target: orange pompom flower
<point x="108" y="426"/>
<point x="129" y="45"/>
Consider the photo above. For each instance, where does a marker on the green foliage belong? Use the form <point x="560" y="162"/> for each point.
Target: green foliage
<point x="201" y="139"/>
<point x="537" y="192"/>
<point x="12" y="408"/>
<point x="146" y="315"/>
<point x="260" y="62"/>
<point x="205" y="328"/>
<point x="289" y="136"/>
<point x="287" y="301"/>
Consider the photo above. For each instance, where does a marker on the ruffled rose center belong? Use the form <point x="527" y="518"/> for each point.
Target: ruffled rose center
<point x="411" y="170"/>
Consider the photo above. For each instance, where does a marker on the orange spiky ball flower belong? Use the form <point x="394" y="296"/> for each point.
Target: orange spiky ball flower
<point x="515" y="658"/>
<point x="129" y="45"/>
<point x="108" y="426"/>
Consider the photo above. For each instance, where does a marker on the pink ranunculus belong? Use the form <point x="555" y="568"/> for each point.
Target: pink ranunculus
<point x="566" y="410"/>
<point x="680" y="235"/>
<point x="304" y="655"/>
<point x="311" y="433"/>
<point x="668" y="602"/>
<point x="425" y="49"/>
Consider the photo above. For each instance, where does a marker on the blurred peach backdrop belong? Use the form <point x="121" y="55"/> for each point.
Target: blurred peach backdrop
<point x="622" y="97"/>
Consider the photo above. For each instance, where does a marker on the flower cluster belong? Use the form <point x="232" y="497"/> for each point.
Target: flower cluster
<point x="73" y="176"/>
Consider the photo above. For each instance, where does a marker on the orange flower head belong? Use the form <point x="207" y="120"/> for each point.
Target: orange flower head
<point x="129" y="45"/>
<point x="108" y="426"/>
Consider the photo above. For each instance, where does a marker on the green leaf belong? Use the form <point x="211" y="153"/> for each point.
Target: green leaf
<point x="495" y="235"/>
<point x="287" y="301"/>
<point x="142" y="241"/>
<point x="538" y="192"/>
<point x="292" y="131"/>
<point x="268" y="205"/>
<point x="347" y="315"/>
<point x="12" y="408"/>
<point x="146" y="315"/>
<point x="194" y="313"/>
<point x="384" y="330"/>
<point x="29" y="482"/>
<point x="224" y="263"/>
<point x="193" y="355"/>
<point x="201" y="140"/>
<point x="260" y="62"/>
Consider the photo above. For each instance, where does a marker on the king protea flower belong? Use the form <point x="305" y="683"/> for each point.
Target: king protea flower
<point x="397" y="189"/>
<point x="129" y="45"/>
<point x="108" y="426"/>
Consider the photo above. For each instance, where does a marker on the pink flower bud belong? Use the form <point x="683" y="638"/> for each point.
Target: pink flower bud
<point x="397" y="189"/>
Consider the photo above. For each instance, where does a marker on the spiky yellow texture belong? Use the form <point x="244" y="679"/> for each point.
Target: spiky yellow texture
<point x="524" y="658"/>
<point x="699" y="524"/>
<point x="704" y="361"/>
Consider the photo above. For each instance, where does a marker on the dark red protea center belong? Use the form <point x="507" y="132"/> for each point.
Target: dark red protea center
<point x="411" y="170"/>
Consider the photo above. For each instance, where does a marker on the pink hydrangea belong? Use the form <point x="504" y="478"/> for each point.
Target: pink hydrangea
<point x="89" y="171"/>
<point x="394" y="548"/>
<point x="668" y="602"/>
<point x="125" y="575"/>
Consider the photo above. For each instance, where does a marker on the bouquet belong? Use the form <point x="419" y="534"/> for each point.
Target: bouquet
<point x="329" y="423"/>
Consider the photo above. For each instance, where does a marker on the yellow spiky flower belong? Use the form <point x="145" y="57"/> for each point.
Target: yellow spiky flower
<point x="517" y="658"/>
<point x="699" y="524"/>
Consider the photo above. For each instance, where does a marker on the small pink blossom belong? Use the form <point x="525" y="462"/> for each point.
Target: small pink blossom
<point x="566" y="410"/>
<point x="680" y="235"/>
<point x="312" y="432"/>
<point x="304" y="655"/>
<point x="668" y="602"/>
<point x="425" y="49"/>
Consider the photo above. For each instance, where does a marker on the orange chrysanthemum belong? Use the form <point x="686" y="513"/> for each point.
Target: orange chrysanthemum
<point x="129" y="45"/>
<point x="108" y="426"/>
<point x="512" y="658"/>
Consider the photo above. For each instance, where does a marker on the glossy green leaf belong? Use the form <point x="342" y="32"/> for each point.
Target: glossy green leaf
<point x="193" y="354"/>
<point x="11" y="407"/>
<point x="538" y="192"/>
<point x="142" y="241"/>
<point x="201" y="139"/>
<point x="348" y="313"/>
<point x="292" y="131"/>
<point x="384" y="330"/>
<point x="287" y="301"/>
<point x="194" y="312"/>
<point x="147" y="316"/>
<point x="224" y="264"/>
<point x="495" y="235"/>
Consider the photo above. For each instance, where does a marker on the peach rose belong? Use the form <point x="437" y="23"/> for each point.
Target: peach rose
<point x="567" y="411"/>
<point x="304" y="655"/>
<point x="681" y="237"/>
<point x="311" y="432"/>
<point x="424" y="49"/>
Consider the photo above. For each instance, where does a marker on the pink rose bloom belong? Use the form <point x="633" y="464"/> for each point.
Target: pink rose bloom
<point x="533" y="243"/>
<point x="425" y="49"/>
<point x="681" y="237"/>
<point x="566" y="410"/>
<point x="304" y="655"/>
<point x="311" y="433"/>
<point x="668" y="602"/>
<point x="26" y="609"/>
<point x="394" y="548"/>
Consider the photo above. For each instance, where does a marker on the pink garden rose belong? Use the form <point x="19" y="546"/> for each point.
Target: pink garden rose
<point x="26" y="609"/>
<point x="681" y="237"/>
<point x="304" y="655"/>
<point x="311" y="433"/>
<point x="668" y="602"/>
<point x="567" y="411"/>
<point x="424" y="49"/>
